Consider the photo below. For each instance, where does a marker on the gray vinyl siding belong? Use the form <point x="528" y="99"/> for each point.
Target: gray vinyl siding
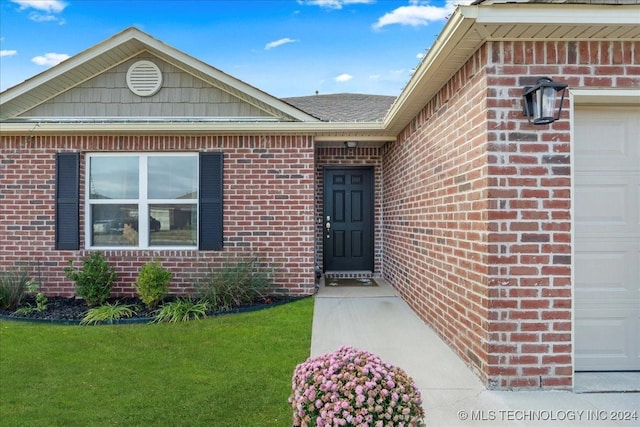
<point x="181" y="95"/>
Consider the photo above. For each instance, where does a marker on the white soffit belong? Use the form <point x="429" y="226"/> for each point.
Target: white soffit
<point x="471" y="26"/>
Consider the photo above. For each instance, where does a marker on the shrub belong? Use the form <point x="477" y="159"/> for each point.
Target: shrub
<point x="181" y="310"/>
<point x="107" y="313"/>
<point x="236" y="283"/>
<point x="153" y="283"/>
<point x="351" y="387"/>
<point x="14" y="286"/>
<point x="94" y="280"/>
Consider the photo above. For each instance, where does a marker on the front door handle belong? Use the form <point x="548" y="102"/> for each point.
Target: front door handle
<point x="328" y="225"/>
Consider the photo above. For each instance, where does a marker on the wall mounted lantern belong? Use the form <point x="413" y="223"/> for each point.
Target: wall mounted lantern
<point x="540" y="101"/>
<point x="350" y="144"/>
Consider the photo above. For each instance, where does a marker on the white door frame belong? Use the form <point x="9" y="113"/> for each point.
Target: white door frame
<point x="588" y="96"/>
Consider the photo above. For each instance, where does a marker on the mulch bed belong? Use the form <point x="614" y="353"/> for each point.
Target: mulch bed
<point x="72" y="310"/>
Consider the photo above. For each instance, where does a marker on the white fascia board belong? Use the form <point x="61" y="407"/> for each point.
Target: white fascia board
<point x="168" y="128"/>
<point x="542" y="13"/>
<point x="67" y="65"/>
<point x="456" y="27"/>
<point x="588" y="96"/>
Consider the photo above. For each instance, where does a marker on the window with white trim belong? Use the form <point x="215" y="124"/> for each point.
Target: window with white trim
<point x="142" y="200"/>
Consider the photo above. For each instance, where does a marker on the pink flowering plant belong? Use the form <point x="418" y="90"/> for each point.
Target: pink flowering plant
<point x="351" y="387"/>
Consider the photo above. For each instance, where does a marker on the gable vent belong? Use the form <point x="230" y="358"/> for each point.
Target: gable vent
<point x="144" y="78"/>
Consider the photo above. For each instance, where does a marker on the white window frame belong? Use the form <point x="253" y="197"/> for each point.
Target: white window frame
<point x="143" y="202"/>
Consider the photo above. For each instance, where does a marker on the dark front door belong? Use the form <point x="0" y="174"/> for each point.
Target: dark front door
<point x="348" y="219"/>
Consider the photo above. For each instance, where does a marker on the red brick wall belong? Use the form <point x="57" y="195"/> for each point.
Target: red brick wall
<point x="435" y="214"/>
<point x="268" y="208"/>
<point x="477" y="209"/>
<point x="530" y="194"/>
<point x="340" y="156"/>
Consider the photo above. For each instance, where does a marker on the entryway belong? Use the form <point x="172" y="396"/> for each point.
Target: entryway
<point x="607" y="238"/>
<point x="348" y="219"/>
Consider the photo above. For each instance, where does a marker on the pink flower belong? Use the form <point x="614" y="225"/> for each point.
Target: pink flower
<point x="353" y="387"/>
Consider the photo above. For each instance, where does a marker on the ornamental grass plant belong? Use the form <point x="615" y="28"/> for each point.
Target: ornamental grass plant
<point x="14" y="286"/>
<point x="236" y="282"/>
<point x="351" y="387"/>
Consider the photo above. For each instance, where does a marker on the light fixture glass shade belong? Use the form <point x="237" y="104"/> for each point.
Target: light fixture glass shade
<point x="540" y="101"/>
<point x="351" y="144"/>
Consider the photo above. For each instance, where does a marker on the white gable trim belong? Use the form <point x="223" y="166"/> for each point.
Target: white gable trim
<point x="123" y="46"/>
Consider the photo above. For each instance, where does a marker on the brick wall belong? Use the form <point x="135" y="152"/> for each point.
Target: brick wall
<point x="340" y="156"/>
<point x="477" y="206"/>
<point x="268" y="208"/>
<point x="435" y="214"/>
<point x="530" y="194"/>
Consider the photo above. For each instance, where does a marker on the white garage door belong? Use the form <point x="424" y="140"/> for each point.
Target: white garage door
<point x="607" y="238"/>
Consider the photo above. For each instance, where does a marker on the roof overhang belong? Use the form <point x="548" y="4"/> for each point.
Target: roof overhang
<point x="466" y="31"/>
<point x="321" y="131"/>
<point x="470" y="27"/>
<point x="120" y="48"/>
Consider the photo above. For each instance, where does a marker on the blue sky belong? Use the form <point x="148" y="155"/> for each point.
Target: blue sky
<point x="285" y="47"/>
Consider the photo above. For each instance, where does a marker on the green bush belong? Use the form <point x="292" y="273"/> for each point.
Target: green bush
<point x="181" y="310"/>
<point x="93" y="280"/>
<point x="153" y="283"/>
<point x="14" y="286"/>
<point x="236" y="283"/>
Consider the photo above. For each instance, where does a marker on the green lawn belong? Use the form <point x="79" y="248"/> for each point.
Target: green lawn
<point x="233" y="370"/>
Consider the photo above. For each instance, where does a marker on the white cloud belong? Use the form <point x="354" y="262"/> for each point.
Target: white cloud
<point x="280" y="42"/>
<point x="50" y="59"/>
<point x="343" y="77"/>
<point x="333" y="4"/>
<point x="4" y="53"/>
<point x="39" y="17"/>
<point x="44" y="10"/>
<point x="418" y="13"/>
<point x="48" y="6"/>
<point x="414" y="16"/>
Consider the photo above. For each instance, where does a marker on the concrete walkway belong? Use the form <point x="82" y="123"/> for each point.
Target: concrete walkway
<point x="376" y="319"/>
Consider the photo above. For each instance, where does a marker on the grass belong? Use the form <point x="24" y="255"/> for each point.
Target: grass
<point x="224" y="371"/>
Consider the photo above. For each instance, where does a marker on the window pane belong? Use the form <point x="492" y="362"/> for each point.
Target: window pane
<point x="113" y="177"/>
<point x="114" y="225"/>
<point x="173" y="177"/>
<point x="173" y="225"/>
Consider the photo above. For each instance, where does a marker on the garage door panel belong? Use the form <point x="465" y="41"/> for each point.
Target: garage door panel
<point x="607" y="238"/>
<point x="605" y="272"/>
<point x="608" y="140"/>
<point x="605" y="345"/>
<point x="608" y="206"/>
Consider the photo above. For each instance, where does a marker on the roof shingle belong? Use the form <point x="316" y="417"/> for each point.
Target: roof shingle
<point x="344" y="107"/>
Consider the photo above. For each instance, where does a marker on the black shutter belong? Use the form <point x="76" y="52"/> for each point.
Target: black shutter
<point x="67" y="201"/>
<point x="210" y="194"/>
